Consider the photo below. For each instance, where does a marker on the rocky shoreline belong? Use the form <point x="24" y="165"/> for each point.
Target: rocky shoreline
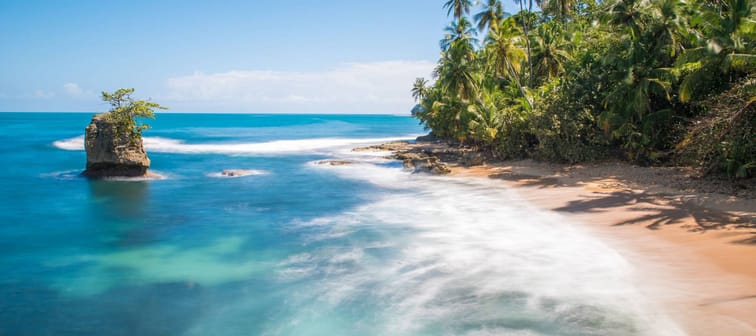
<point x="434" y="157"/>
<point x="430" y="155"/>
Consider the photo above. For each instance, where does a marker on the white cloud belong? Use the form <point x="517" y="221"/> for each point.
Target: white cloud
<point x="376" y="87"/>
<point x="73" y="90"/>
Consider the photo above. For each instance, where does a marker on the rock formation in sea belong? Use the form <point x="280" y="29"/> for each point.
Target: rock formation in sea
<point x="110" y="154"/>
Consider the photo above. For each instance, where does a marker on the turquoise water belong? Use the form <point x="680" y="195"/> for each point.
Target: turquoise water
<point x="294" y="248"/>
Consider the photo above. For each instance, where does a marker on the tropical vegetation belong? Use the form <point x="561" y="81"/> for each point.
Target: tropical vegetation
<point x="126" y="112"/>
<point x="577" y="80"/>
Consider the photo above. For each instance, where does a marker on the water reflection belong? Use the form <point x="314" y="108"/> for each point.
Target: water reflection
<point x="120" y="212"/>
<point x="119" y="199"/>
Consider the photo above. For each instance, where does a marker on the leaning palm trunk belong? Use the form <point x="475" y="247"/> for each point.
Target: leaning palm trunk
<point x="526" y="32"/>
<point x="514" y="75"/>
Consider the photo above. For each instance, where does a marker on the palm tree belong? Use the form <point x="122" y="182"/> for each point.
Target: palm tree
<point x="636" y="109"/>
<point x="503" y="46"/>
<point x="670" y="30"/>
<point x="459" y="32"/>
<point x="728" y="46"/>
<point x="420" y="89"/>
<point x="492" y="14"/>
<point x="559" y="8"/>
<point x="449" y="115"/>
<point x="505" y="55"/>
<point x="631" y="116"/>
<point x="551" y="50"/>
<point x="457" y="73"/>
<point x="626" y="13"/>
<point x="526" y="20"/>
<point x="485" y="119"/>
<point x="458" y="7"/>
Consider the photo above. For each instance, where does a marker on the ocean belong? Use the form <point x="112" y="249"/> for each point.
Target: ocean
<point x="293" y="247"/>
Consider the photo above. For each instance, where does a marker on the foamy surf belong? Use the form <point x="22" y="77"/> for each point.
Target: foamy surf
<point x="459" y="256"/>
<point x="71" y="144"/>
<point x="77" y="174"/>
<point x="151" y="176"/>
<point x="316" y="145"/>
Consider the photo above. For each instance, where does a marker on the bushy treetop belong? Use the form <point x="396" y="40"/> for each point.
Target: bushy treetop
<point x="125" y="111"/>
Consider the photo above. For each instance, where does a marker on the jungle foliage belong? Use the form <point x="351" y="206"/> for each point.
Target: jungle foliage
<point x="577" y="80"/>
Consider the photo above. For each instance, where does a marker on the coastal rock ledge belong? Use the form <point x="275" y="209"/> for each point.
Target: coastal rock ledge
<point x="110" y="154"/>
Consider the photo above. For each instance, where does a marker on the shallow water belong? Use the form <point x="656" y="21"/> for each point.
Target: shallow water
<point x="293" y="248"/>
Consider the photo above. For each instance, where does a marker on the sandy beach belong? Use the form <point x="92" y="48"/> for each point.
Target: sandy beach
<point x="692" y="241"/>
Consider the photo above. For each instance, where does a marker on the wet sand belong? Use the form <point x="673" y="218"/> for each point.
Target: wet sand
<point x="695" y="251"/>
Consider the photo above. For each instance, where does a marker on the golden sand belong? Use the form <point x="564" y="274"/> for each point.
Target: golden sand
<point x="697" y="250"/>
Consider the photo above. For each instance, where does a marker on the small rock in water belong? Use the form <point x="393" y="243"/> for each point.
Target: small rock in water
<point x="334" y="162"/>
<point x="229" y="173"/>
<point x="239" y="172"/>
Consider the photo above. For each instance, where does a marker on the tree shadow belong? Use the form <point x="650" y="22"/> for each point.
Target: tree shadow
<point x="748" y="241"/>
<point x="527" y="180"/>
<point x="660" y="209"/>
<point x="650" y="208"/>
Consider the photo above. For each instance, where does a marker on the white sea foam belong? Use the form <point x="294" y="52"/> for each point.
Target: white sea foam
<point x="460" y="257"/>
<point x="318" y="145"/>
<point x="77" y="173"/>
<point x="152" y="176"/>
<point x="72" y="144"/>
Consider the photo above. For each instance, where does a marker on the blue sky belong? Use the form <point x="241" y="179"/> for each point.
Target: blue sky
<point x="219" y="56"/>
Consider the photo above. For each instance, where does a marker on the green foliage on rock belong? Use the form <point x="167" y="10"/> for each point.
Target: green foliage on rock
<point x="125" y="112"/>
<point x="585" y="79"/>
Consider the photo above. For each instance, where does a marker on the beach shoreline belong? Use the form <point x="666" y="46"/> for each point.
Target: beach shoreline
<point x="695" y="245"/>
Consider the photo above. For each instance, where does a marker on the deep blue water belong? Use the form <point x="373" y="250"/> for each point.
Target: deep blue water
<point x="295" y="248"/>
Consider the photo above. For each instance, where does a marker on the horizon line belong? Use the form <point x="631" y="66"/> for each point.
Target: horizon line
<point x="228" y="112"/>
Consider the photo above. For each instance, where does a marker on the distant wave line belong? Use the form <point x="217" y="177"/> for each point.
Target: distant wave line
<point x="167" y="145"/>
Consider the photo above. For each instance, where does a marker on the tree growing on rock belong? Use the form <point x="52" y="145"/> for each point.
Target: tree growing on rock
<point x="113" y="140"/>
<point x="125" y="112"/>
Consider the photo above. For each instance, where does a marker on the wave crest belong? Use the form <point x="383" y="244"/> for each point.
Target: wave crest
<point x="72" y="144"/>
<point x="167" y="145"/>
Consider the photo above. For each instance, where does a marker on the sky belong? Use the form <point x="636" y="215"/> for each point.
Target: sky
<point x="295" y="56"/>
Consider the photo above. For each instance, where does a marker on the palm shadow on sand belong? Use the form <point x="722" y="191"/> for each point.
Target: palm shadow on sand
<point x="661" y="209"/>
<point x="653" y="210"/>
<point x="527" y="180"/>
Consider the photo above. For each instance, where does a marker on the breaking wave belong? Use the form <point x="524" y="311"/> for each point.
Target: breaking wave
<point x="458" y="256"/>
<point x="76" y="143"/>
<point x="317" y="145"/>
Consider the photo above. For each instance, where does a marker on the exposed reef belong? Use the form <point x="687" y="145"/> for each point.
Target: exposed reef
<point x="430" y="155"/>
